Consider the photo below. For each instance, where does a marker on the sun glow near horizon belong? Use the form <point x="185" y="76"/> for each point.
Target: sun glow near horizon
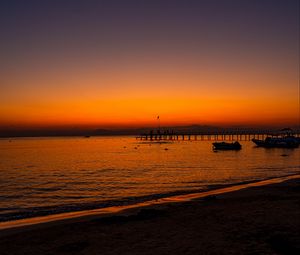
<point x="142" y="111"/>
<point x="191" y="68"/>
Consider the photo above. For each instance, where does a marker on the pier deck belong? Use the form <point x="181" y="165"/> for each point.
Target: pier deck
<point x="220" y="136"/>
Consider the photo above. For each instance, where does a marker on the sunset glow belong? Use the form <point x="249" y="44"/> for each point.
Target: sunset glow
<point x="84" y="68"/>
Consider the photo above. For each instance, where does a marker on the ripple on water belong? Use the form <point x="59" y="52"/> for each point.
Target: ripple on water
<point x="71" y="171"/>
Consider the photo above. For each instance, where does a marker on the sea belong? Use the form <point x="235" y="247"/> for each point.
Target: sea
<point x="49" y="175"/>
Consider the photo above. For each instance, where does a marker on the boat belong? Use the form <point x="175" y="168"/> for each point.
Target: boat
<point x="227" y="146"/>
<point x="278" y="142"/>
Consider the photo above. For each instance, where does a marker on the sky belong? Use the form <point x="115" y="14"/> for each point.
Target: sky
<point x="122" y="63"/>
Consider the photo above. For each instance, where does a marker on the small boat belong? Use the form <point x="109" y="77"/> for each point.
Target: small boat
<point x="278" y="142"/>
<point x="227" y="146"/>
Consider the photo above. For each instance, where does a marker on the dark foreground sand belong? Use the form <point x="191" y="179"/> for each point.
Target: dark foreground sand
<point x="258" y="220"/>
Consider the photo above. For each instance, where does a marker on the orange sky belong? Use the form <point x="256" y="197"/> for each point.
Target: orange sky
<point x="177" y="100"/>
<point x="127" y="70"/>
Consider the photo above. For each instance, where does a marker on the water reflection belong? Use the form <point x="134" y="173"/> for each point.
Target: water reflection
<point x="71" y="171"/>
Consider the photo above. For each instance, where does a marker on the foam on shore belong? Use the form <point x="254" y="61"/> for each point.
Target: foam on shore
<point x="102" y="212"/>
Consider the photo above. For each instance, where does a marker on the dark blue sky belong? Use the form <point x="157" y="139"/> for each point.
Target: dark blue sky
<point x="230" y="47"/>
<point x="54" y="25"/>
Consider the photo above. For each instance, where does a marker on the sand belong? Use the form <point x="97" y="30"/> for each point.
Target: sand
<point x="256" y="220"/>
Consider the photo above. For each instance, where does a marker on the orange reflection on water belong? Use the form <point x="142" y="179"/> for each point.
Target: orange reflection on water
<point x="104" y="212"/>
<point x="54" y="172"/>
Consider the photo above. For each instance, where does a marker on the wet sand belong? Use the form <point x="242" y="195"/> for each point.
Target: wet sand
<point x="256" y="220"/>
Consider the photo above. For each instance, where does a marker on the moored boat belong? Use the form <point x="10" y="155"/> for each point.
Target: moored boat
<point x="227" y="146"/>
<point x="278" y="142"/>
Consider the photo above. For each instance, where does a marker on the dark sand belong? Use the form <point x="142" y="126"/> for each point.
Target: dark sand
<point x="257" y="220"/>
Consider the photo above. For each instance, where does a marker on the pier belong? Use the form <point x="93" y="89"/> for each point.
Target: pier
<point x="210" y="136"/>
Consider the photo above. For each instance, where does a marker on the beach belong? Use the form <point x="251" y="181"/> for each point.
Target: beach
<point x="149" y="127"/>
<point x="255" y="220"/>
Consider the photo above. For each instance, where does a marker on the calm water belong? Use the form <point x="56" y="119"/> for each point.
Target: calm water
<point x="49" y="175"/>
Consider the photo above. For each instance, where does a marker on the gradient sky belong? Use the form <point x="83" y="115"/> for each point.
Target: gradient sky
<point x="122" y="63"/>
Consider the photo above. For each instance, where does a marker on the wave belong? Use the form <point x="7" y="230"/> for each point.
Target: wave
<point x="29" y="212"/>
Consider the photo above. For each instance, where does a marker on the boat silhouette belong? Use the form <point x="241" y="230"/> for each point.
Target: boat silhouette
<point x="278" y="142"/>
<point x="227" y="146"/>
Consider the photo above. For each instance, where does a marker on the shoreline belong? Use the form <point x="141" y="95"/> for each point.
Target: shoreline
<point x="7" y="227"/>
<point x="127" y="201"/>
<point x="254" y="220"/>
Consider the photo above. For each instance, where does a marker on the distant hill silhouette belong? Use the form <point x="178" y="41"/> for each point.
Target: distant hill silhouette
<point x="101" y="131"/>
<point x="118" y="132"/>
